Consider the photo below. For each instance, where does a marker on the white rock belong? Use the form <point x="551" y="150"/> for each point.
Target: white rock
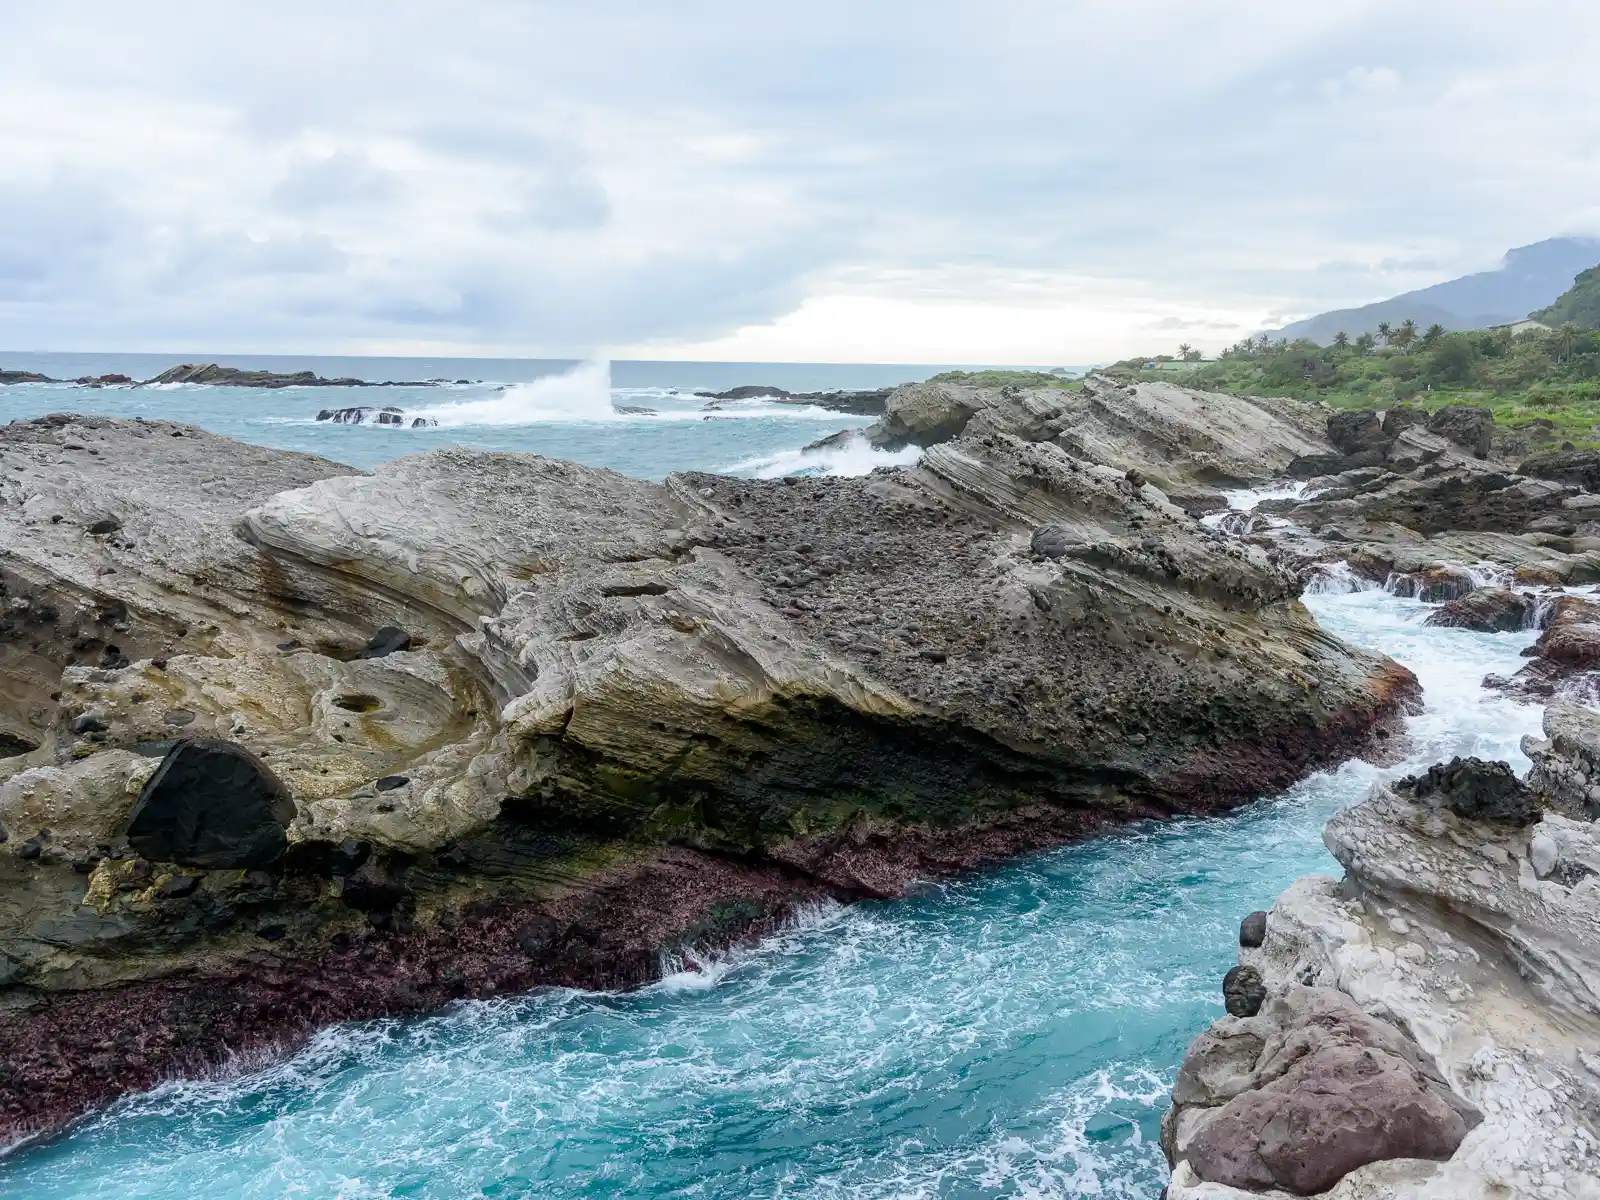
<point x="1544" y="852"/>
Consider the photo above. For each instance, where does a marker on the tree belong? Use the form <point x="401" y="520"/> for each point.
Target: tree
<point x="1565" y="338"/>
<point x="1365" y="343"/>
<point x="1404" y="336"/>
<point x="1385" y="332"/>
<point x="1183" y="351"/>
<point x="1431" y="338"/>
<point x="1341" y="339"/>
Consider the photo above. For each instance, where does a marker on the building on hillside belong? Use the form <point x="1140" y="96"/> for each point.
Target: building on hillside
<point x="1526" y="325"/>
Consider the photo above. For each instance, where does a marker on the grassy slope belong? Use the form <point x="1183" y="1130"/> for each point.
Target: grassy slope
<point x="1545" y="386"/>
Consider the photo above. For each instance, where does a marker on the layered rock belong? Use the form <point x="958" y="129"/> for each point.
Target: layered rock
<point x="543" y="723"/>
<point x="1565" y="661"/>
<point x="1454" y="974"/>
<point x="216" y="376"/>
<point x="1178" y="438"/>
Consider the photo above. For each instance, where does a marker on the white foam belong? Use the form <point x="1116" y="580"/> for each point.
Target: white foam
<point x="854" y="456"/>
<point x="580" y="395"/>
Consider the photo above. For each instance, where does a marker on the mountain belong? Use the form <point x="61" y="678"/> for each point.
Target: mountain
<point x="1579" y="304"/>
<point x="1529" y="278"/>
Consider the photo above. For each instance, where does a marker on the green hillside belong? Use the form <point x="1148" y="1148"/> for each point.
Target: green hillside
<point x="1544" y="384"/>
<point x="1578" y="305"/>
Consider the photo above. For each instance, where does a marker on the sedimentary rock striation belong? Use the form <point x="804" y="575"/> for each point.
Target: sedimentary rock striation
<point x="1429" y="1026"/>
<point x="291" y="743"/>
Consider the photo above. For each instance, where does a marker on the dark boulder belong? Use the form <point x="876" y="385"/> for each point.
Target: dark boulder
<point x="1311" y="466"/>
<point x="1579" y="468"/>
<point x="1401" y="417"/>
<point x="1466" y="425"/>
<point x="1341" y="1105"/>
<point x="1053" y="541"/>
<point x="176" y="887"/>
<point x="1243" y="991"/>
<point x="390" y="782"/>
<point x="1253" y="930"/>
<point x="1354" y="432"/>
<point x="1487" y="610"/>
<point x="388" y="640"/>
<point x="1475" y="790"/>
<point x="211" y="804"/>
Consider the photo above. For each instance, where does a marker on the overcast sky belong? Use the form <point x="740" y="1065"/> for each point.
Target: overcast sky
<point x="1026" y="181"/>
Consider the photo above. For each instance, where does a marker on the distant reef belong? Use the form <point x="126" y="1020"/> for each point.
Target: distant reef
<point x="871" y="403"/>
<point x="219" y="376"/>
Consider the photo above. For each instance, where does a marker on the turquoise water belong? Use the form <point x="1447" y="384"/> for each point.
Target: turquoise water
<point x="1009" y="1035"/>
<point x="567" y="411"/>
<point x="1006" y="1035"/>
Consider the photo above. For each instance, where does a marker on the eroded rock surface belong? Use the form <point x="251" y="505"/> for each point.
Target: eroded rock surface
<point x="540" y="723"/>
<point x="1453" y="974"/>
<point x="1177" y="438"/>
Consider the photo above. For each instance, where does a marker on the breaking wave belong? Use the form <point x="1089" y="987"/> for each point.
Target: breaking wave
<point x="853" y="456"/>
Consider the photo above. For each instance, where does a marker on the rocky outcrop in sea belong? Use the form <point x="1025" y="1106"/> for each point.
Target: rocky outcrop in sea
<point x="290" y="743"/>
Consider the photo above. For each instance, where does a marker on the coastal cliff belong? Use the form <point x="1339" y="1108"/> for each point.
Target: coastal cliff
<point x="293" y="744"/>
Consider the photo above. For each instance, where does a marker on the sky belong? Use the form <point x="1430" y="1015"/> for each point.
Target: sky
<point x="1012" y="181"/>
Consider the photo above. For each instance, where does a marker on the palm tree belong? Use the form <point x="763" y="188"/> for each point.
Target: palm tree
<point x="1183" y="351"/>
<point x="1365" y="342"/>
<point x="1431" y="338"/>
<point x="1384" y="332"/>
<point x="1566" y="337"/>
<point x="1405" y="335"/>
<point x="1341" y="339"/>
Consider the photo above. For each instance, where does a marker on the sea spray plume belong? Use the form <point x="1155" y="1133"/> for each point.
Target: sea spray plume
<point x="582" y="393"/>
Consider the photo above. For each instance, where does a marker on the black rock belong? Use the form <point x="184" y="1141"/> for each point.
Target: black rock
<point x="1466" y="425"/>
<point x="1053" y="541"/>
<point x="1243" y="991"/>
<point x="273" y="933"/>
<point x="537" y="937"/>
<point x="1135" y="478"/>
<point x="105" y="525"/>
<point x="377" y="886"/>
<point x="179" y="716"/>
<point x="1475" y="790"/>
<point x="89" y="723"/>
<point x="33" y="847"/>
<point x="1401" y="417"/>
<point x="389" y="782"/>
<point x="386" y="641"/>
<point x="211" y="804"/>
<point x="175" y="887"/>
<point x="1310" y="466"/>
<point x="1353" y="432"/>
<point x="327" y="858"/>
<point x="1581" y="468"/>
<point x="1253" y="930"/>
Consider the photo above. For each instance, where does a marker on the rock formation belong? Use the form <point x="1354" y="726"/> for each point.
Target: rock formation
<point x="211" y="373"/>
<point x="868" y="403"/>
<point x="1177" y="438"/>
<point x="480" y="721"/>
<point x="365" y="415"/>
<point x="1431" y="1024"/>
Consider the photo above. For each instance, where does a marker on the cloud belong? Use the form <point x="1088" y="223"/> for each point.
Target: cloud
<point x="341" y="178"/>
<point x="1064" y="182"/>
